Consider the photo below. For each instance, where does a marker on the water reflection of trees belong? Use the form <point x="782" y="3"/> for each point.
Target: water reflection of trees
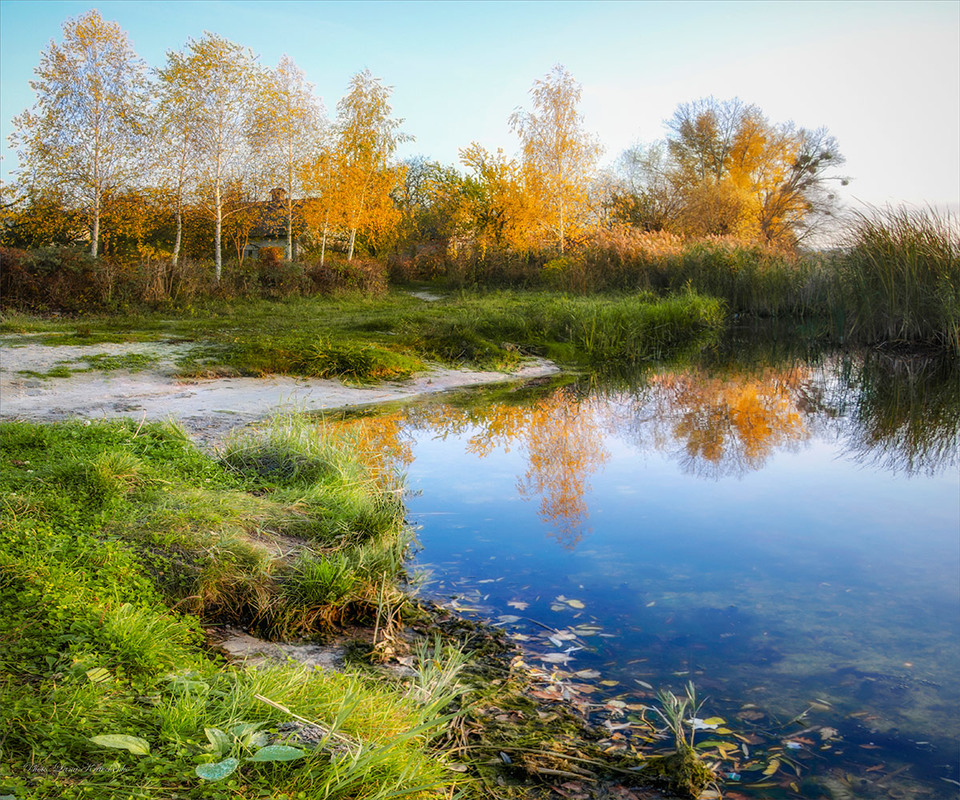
<point x="896" y="414"/>
<point x="719" y="425"/>
<point x="560" y="437"/>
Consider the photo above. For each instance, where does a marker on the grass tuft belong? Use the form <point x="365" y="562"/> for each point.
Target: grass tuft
<point x="901" y="274"/>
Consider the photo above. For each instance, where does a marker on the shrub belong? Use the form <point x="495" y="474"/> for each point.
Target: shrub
<point x="51" y="279"/>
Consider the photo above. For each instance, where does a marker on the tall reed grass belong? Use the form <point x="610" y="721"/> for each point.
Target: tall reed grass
<point x="900" y="277"/>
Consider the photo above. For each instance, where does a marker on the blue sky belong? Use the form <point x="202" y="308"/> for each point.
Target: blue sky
<point x="883" y="77"/>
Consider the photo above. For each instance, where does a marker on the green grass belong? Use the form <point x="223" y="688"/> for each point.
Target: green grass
<point x="496" y="330"/>
<point x="59" y="371"/>
<point x="101" y="362"/>
<point x="365" y="339"/>
<point x="112" y="532"/>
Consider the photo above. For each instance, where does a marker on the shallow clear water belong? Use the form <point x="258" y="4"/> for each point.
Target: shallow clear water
<point x="786" y="534"/>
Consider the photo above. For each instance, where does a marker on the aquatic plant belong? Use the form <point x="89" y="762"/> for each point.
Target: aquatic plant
<point x="901" y="274"/>
<point x="683" y="771"/>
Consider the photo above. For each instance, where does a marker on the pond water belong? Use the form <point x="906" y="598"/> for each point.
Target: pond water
<point x="782" y="530"/>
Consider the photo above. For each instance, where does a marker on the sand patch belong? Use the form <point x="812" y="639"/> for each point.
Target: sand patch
<point x="206" y="408"/>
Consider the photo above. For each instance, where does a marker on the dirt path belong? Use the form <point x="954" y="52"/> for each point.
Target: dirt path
<point x="208" y="408"/>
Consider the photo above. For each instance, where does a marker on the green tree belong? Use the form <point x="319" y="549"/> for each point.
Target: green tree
<point x="83" y="135"/>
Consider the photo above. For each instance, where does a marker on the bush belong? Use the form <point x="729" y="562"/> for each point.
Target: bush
<point x="51" y="279"/>
<point x="338" y="275"/>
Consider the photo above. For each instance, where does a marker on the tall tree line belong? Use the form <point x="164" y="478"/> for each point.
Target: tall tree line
<point x="203" y="139"/>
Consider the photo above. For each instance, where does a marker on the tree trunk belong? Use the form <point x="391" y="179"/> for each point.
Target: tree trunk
<point x="95" y="233"/>
<point x="178" y="238"/>
<point x="562" y="237"/>
<point x="217" y="232"/>
<point x="356" y="223"/>
<point x="289" y="229"/>
<point x="323" y="240"/>
<point x="353" y="236"/>
<point x="290" y="215"/>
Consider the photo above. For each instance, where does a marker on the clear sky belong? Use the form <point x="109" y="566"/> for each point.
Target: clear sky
<point x="884" y="77"/>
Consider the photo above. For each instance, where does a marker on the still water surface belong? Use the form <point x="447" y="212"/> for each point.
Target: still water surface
<point x="783" y="532"/>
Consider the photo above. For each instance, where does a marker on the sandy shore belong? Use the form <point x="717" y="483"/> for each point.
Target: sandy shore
<point x="206" y="408"/>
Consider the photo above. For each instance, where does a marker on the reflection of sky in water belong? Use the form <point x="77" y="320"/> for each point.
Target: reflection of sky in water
<point x="773" y="565"/>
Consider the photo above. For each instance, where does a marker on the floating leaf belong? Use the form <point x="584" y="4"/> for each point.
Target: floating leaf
<point x="609" y="683"/>
<point x="554" y="658"/>
<point x="508" y="618"/>
<point x="575" y="604"/>
<point x="277" y="752"/>
<point x="772" y="767"/>
<point x="714" y="721"/>
<point x="518" y="604"/>
<point x="644" y="684"/>
<point x="218" y="771"/>
<point x="119" y="741"/>
<point x="587" y="673"/>
<point x="702" y="724"/>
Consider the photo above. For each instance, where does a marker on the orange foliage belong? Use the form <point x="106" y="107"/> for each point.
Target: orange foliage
<point x="729" y="425"/>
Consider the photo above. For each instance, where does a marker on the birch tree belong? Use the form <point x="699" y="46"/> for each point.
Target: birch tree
<point x="82" y="135"/>
<point x="175" y="148"/>
<point x="217" y="81"/>
<point x="367" y="137"/>
<point x="286" y="131"/>
<point x="559" y="156"/>
<point x="318" y="177"/>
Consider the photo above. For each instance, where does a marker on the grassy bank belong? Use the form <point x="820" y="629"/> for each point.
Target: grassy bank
<point x="124" y="550"/>
<point x="901" y="279"/>
<point x="364" y="338"/>
<point x="120" y="542"/>
<point x="895" y="279"/>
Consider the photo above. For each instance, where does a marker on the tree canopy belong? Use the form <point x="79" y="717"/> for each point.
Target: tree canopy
<point x="193" y="154"/>
<point x="81" y="138"/>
